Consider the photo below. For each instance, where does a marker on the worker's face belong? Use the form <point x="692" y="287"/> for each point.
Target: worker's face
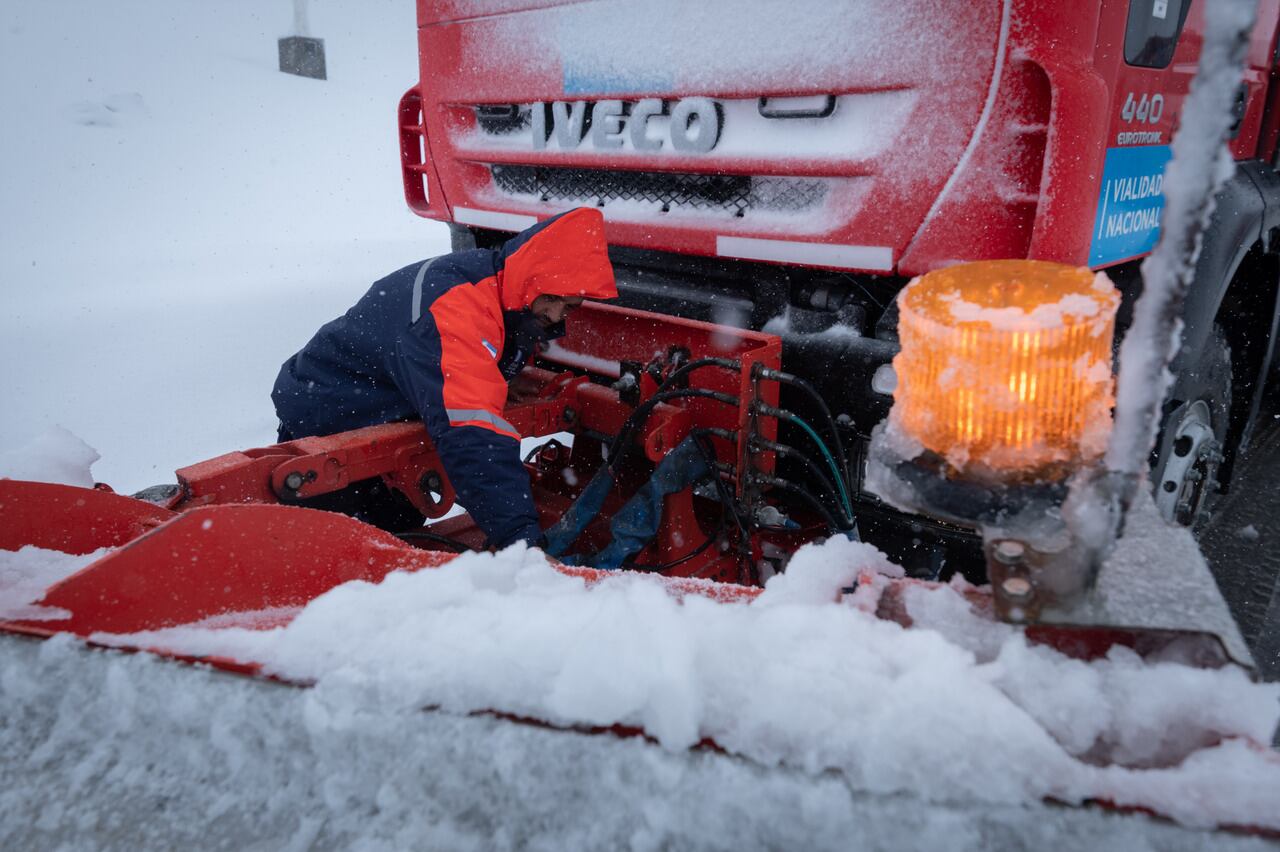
<point x="553" y="309"/>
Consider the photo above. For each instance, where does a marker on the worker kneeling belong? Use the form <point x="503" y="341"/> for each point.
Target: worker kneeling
<point x="439" y="340"/>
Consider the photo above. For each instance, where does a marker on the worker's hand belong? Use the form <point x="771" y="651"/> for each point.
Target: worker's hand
<point x="521" y="389"/>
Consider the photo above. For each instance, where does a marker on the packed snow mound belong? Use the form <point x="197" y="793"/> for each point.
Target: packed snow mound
<point x="53" y="455"/>
<point x="25" y="574"/>
<point x="795" y="679"/>
<point x="130" y="751"/>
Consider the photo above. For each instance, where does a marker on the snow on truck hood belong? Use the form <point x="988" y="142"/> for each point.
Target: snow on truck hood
<point x="759" y="44"/>
<point x="910" y="81"/>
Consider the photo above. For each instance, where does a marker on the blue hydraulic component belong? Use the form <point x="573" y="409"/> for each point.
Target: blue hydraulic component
<point x="636" y="523"/>
<point x="564" y="532"/>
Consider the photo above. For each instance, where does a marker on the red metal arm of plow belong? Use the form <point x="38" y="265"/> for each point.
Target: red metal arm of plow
<point x="401" y="453"/>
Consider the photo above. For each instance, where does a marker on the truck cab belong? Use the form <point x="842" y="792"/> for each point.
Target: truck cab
<point x="789" y="167"/>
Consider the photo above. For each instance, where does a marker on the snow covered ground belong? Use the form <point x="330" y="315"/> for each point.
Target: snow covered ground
<point x="177" y="218"/>
<point x="128" y="751"/>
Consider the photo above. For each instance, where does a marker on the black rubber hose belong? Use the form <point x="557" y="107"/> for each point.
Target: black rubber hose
<point x="622" y="441"/>
<point x="813" y="502"/>
<point x="709" y="456"/>
<point x="686" y="369"/>
<point x="810" y="465"/>
<point x="666" y="385"/>
<point x="838" y="468"/>
<point x="812" y="393"/>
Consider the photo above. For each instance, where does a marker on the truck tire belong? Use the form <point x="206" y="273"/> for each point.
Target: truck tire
<point x="1189" y="450"/>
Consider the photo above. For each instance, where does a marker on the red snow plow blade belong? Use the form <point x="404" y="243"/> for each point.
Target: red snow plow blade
<point x="210" y="561"/>
<point x="166" y="568"/>
<point x="169" y="568"/>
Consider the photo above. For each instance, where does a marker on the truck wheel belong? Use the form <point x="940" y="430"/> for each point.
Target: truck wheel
<point x="1192" y="438"/>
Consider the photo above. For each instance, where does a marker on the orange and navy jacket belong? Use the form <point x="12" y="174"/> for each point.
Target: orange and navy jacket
<point x="426" y="342"/>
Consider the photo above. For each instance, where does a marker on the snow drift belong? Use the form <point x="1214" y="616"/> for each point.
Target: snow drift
<point x="964" y="710"/>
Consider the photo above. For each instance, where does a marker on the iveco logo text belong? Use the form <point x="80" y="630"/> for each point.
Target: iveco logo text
<point x="687" y="125"/>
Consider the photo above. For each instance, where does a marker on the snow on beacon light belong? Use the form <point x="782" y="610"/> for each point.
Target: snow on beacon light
<point x="1004" y="390"/>
<point x="1005" y="367"/>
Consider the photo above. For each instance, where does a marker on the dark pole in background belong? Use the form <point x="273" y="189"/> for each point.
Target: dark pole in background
<point x="299" y="53"/>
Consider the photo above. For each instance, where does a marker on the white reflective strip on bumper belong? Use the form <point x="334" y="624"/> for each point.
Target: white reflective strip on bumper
<point x="493" y="219"/>
<point x="879" y="258"/>
<point x="461" y="415"/>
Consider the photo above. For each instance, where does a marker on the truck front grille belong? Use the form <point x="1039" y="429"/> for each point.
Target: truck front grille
<point x="664" y="191"/>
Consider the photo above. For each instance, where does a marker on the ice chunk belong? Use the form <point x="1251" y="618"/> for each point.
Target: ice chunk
<point x="1249" y="533"/>
<point x="817" y="573"/>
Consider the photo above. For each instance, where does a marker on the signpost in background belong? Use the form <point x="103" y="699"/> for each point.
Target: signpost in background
<point x="300" y="53"/>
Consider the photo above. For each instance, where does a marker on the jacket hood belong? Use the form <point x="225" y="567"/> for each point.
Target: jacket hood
<point x="564" y="256"/>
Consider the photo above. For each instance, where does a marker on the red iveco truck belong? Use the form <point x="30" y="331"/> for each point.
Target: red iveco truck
<point x="790" y="166"/>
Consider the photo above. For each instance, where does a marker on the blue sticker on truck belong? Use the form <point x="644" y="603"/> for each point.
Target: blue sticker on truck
<point x="581" y="79"/>
<point x="1130" y="203"/>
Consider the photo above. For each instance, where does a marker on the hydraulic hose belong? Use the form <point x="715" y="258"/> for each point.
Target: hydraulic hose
<point x="763" y="444"/>
<point x="562" y="534"/>
<point x="686" y="369"/>
<point x="642" y="411"/>
<point x="771" y="411"/>
<point x="813" y="502"/>
<point x="812" y="393"/>
<point x="702" y="436"/>
<point x="844" y="492"/>
<point x="623" y="440"/>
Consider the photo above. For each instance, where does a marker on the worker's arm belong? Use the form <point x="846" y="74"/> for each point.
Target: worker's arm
<point x="454" y="381"/>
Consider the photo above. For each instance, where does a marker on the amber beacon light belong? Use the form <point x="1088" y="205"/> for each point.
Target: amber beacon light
<point x="1005" y="367"/>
